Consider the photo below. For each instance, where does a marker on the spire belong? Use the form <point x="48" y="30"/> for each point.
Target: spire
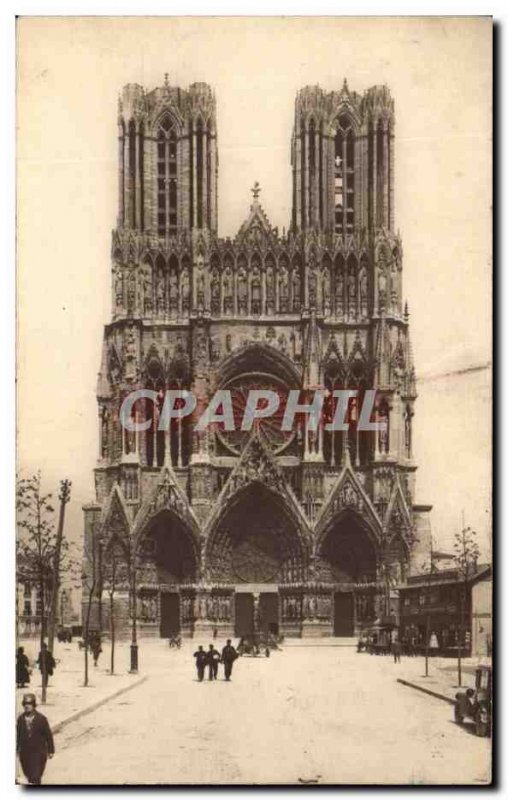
<point x="255" y="192"/>
<point x="406" y="312"/>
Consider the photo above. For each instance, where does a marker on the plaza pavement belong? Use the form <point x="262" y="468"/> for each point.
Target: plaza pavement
<point x="321" y="714"/>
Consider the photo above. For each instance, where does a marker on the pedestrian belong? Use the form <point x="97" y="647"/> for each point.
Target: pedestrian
<point x="46" y="662"/>
<point x="213" y="657"/>
<point x="34" y="741"/>
<point x="396" y="648"/>
<point x="201" y="661"/>
<point x="22" y="668"/>
<point x="229" y="656"/>
<point x="96" y="648"/>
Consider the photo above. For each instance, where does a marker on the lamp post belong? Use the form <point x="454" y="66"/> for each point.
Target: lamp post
<point x="134" y="610"/>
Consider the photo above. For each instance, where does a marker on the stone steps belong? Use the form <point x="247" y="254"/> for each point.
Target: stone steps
<point x="325" y="641"/>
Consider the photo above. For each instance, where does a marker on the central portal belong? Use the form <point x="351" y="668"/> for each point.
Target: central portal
<point x="255" y="541"/>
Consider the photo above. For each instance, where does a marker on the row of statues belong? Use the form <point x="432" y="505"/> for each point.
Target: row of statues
<point x="344" y="292"/>
<point x="219" y="607"/>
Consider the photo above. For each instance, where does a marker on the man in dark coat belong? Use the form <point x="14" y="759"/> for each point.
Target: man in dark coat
<point x="22" y="671"/>
<point x="201" y="661"/>
<point x="213" y="657"/>
<point x="229" y="655"/>
<point x="34" y="741"/>
<point x="45" y="657"/>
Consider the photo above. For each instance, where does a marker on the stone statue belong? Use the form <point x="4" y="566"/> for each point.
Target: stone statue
<point x="161" y="292"/>
<point x="270" y="291"/>
<point x="339" y="293"/>
<point x="381" y="282"/>
<point x="130" y="355"/>
<point x="118" y="286"/>
<point x="147" y="289"/>
<point x="242" y="291"/>
<point x="202" y="607"/>
<point x="131" y="292"/>
<point x="283" y="290"/>
<point x="173" y="290"/>
<point x="104" y="432"/>
<point x="312" y="287"/>
<point x="185" y="284"/>
<point x="227" y="284"/>
<point x="326" y="291"/>
<point x="255" y="293"/>
<point x="363" y="291"/>
<point x="352" y="293"/>
<point x="407" y="432"/>
<point x="296" y="290"/>
<point x="215" y="292"/>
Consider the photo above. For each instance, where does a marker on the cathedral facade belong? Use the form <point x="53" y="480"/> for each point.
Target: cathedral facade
<point x="299" y="532"/>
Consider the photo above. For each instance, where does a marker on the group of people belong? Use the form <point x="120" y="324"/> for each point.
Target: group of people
<point x="44" y="661"/>
<point x="34" y="740"/>
<point x="211" y="658"/>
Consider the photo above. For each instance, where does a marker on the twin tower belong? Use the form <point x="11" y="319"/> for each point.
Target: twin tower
<point x="301" y="531"/>
<point x="341" y="155"/>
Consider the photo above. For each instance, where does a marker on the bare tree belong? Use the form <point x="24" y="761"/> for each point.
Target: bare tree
<point x="466" y="557"/>
<point x="90" y="581"/>
<point x="35" y="548"/>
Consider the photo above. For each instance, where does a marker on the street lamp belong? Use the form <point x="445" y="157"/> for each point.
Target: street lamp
<point x="134" y="610"/>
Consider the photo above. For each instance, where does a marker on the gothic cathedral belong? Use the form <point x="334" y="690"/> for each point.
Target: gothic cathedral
<point x="294" y="532"/>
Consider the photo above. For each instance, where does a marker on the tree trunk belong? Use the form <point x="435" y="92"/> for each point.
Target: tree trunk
<point x="43" y="665"/>
<point x="56" y="576"/>
<point x="112" y="630"/>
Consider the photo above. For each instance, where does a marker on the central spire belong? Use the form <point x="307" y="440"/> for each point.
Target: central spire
<point x="255" y="191"/>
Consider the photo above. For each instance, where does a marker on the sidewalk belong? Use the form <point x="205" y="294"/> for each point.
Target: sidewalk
<point x="442" y="679"/>
<point x="67" y="698"/>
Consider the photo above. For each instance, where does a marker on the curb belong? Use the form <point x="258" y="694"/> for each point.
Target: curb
<point x="82" y="712"/>
<point x="438" y="695"/>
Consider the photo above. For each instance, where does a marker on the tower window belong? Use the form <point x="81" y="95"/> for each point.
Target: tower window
<point x="167" y="178"/>
<point x="344" y="174"/>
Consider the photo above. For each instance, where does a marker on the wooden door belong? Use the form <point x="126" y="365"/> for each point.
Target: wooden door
<point x="343" y="620"/>
<point x="170" y="614"/>
<point x="244" y="614"/>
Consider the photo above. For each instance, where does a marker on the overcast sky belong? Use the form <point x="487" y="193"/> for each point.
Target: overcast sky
<point x="439" y="73"/>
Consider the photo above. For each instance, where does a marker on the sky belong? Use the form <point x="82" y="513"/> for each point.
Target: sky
<point x="70" y="72"/>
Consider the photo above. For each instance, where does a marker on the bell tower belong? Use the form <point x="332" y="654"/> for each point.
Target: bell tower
<point x="342" y="159"/>
<point x="167" y="152"/>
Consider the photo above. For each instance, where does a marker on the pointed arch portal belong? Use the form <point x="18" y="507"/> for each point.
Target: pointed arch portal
<point x="348" y="558"/>
<point x="167" y="551"/>
<point x="255" y="541"/>
<point x="348" y="551"/>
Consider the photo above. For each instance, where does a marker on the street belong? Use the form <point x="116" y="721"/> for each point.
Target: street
<point x="306" y="714"/>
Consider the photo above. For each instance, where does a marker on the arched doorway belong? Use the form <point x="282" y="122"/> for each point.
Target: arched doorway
<point x="256" y="546"/>
<point x="348" y="559"/>
<point x="168" y="558"/>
